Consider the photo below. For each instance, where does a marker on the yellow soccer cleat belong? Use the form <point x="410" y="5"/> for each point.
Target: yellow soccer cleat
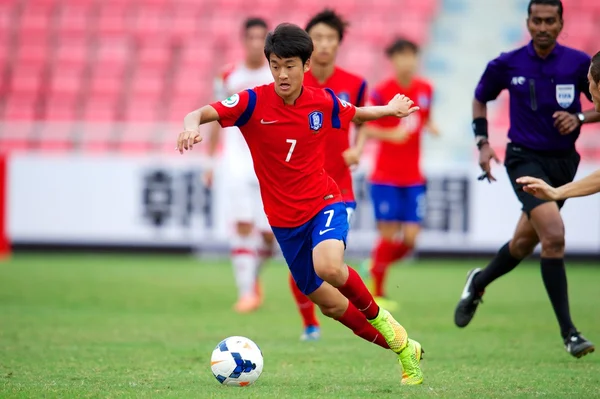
<point x="394" y="334"/>
<point x="410" y="359"/>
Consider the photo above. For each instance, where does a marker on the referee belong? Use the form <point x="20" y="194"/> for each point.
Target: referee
<point x="588" y="185"/>
<point x="545" y="80"/>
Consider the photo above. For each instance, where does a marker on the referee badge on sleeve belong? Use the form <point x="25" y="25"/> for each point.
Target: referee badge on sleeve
<point x="565" y="95"/>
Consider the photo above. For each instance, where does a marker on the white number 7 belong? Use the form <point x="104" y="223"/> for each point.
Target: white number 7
<point x="329" y="217"/>
<point x="293" y="145"/>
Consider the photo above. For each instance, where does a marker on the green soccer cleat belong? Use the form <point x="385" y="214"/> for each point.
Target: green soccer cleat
<point x="410" y="358"/>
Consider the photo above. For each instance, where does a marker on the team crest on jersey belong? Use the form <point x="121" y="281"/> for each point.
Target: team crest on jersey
<point x="315" y="120"/>
<point x="423" y="101"/>
<point x="344" y="97"/>
<point x="231" y="101"/>
<point x="565" y="95"/>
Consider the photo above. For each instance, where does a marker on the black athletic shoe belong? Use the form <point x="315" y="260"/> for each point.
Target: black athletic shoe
<point x="577" y="345"/>
<point x="469" y="300"/>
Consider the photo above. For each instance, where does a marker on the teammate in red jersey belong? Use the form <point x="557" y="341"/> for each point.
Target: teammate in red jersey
<point x="326" y="30"/>
<point x="397" y="183"/>
<point x="285" y="125"/>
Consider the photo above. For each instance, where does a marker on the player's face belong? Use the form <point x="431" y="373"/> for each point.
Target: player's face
<point x="326" y="41"/>
<point x="254" y="43"/>
<point x="405" y="63"/>
<point x="595" y="90"/>
<point x="288" y="75"/>
<point x="544" y="25"/>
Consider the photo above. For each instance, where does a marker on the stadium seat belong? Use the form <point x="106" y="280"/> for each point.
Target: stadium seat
<point x="112" y="19"/>
<point x="74" y="18"/>
<point x="32" y="50"/>
<point x="142" y="109"/>
<point x="147" y="82"/>
<point x="100" y="109"/>
<point x="26" y="79"/>
<point x="36" y="17"/>
<point x="155" y="55"/>
<point x="148" y="23"/>
<point x="20" y="107"/>
<point x="182" y="105"/>
<point x="71" y="51"/>
<point x="65" y="81"/>
<point x="61" y="107"/>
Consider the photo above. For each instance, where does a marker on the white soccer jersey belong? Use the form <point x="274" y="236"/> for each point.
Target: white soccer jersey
<point x="235" y="78"/>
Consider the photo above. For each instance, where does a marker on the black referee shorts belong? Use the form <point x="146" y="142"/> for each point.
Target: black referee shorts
<point x="554" y="167"/>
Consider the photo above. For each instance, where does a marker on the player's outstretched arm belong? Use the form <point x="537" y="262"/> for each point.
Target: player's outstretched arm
<point x="191" y="122"/>
<point x="400" y="106"/>
<point x="581" y="188"/>
<point x="395" y="134"/>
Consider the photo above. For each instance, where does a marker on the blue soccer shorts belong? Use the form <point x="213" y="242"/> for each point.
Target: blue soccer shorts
<point x="350" y="208"/>
<point x="297" y="243"/>
<point x="398" y="204"/>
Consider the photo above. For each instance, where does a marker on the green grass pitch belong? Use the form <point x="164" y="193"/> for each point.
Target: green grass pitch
<point x="111" y="326"/>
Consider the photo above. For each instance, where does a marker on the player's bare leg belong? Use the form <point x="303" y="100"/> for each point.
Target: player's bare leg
<point x="245" y="263"/>
<point x="521" y="245"/>
<point x="328" y="260"/>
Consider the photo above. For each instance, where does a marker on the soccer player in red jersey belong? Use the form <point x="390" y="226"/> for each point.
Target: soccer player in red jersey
<point x="285" y="125"/>
<point x="326" y="30"/>
<point x="397" y="183"/>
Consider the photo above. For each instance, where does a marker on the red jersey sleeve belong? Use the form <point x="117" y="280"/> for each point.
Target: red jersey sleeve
<point x="342" y="113"/>
<point x="237" y="109"/>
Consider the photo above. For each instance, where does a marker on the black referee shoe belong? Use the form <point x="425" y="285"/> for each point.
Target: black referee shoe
<point x="469" y="300"/>
<point x="577" y="345"/>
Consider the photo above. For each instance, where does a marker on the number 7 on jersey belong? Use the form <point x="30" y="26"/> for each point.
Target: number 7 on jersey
<point x="290" y="152"/>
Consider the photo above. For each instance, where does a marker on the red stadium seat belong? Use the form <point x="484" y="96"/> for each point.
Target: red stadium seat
<point x="32" y="50"/>
<point x="156" y="54"/>
<point x="148" y="22"/>
<point x="148" y="83"/>
<point x="142" y="109"/>
<point x="74" y="18"/>
<point x="26" y="80"/>
<point x="61" y="107"/>
<point x="72" y="51"/>
<point x="101" y="109"/>
<point x="181" y="105"/>
<point x="20" y="107"/>
<point x="112" y="19"/>
<point x="35" y="17"/>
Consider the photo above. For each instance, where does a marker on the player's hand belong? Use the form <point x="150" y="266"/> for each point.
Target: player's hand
<point x="539" y="188"/>
<point x="565" y="122"/>
<point x="187" y="139"/>
<point x="433" y="129"/>
<point x="486" y="154"/>
<point x="352" y="156"/>
<point x="398" y="135"/>
<point x="402" y="106"/>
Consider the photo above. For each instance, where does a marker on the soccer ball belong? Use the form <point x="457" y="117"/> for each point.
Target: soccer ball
<point x="236" y="361"/>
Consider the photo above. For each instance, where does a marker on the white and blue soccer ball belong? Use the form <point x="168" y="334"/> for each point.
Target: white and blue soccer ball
<point x="236" y="361"/>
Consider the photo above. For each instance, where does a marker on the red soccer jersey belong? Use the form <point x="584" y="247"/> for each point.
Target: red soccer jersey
<point x="287" y="147"/>
<point x="350" y="88"/>
<point x="398" y="164"/>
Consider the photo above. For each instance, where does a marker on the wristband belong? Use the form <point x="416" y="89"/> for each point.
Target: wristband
<point x="480" y="143"/>
<point x="480" y="127"/>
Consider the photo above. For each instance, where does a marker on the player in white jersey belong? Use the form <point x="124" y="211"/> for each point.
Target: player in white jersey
<point x="252" y="241"/>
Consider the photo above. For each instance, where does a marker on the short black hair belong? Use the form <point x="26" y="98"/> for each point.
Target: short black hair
<point x="595" y="68"/>
<point x="255" y="21"/>
<point x="400" y="45"/>
<point x="555" y="3"/>
<point x="289" y="41"/>
<point x="331" y="19"/>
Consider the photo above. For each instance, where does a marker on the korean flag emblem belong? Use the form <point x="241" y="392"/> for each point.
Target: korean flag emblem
<point x="344" y="96"/>
<point x="565" y="95"/>
<point x="315" y="120"/>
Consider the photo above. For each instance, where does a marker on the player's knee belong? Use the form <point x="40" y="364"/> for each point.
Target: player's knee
<point x="334" y="311"/>
<point x="522" y="247"/>
<point x="244" y="228"/>
<point x="388" y="230"/>
<point x="553" y="243"/>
